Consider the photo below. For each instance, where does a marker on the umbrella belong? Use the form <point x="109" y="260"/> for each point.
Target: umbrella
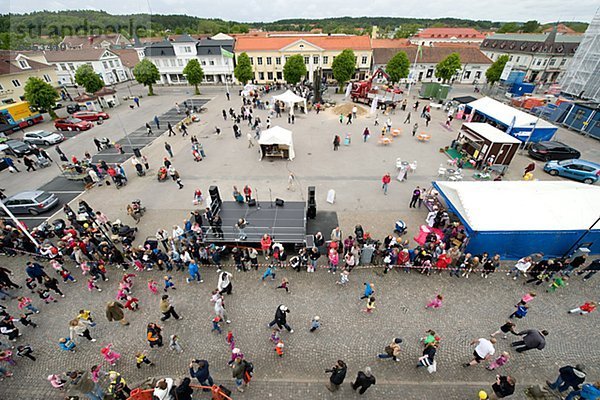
<point x="374" y="106"/>
<point x="348" y="90"/>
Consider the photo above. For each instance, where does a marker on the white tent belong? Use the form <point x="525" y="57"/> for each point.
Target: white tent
<point x="249" y="89"/>
<point x="290" y="98"/>
<point x="505" y="114"/>
<point x="277" y="136"/>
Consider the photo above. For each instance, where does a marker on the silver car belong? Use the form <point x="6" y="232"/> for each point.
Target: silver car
<point x="43" y="137"/>
<point x="34" y="202"/>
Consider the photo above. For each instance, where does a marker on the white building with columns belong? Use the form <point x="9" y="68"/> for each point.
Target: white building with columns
<point x="104" y="62"/>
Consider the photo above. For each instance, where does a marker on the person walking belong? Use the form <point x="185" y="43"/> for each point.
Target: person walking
<point x="11" y="164"/>
<point x="407" y="119"/>
<point x="224" y="284"/>
<point x="392" y="350"/>
<point x="202" y="374"/>
<point x="168" y="149"/>
<point x="568" y="376"/>
<point x="532" y="339"/>
<point x="529" y="168"/>
<point x="385" y="181"/>
<point x="157" y="122"/>
<point x="505" y="329"/>
<point x="194" y="272"/>
<point x="167" y="309"/>
<point x="364" y="380"/>
<point x="148" y="129"/>
<point x="588" y="392"/>
<point x="61" y="155"/>
<point x="98" y="144"/>
<point x="415" y="128"/>
<point x="366" y="134"/>
<point x="114" y="312"/>
<point x="170" y="128"/>
<point x="338" y="374"/>
<point x="29" y="163"/>
<point x="336" y="142"/>
<point x="368" y="291"/>
<point x="154" y="335"/>
<point x="281" y="318"/>
<point x="81" y="381"/>
<point x="483" y="351"/>
<point x="415" y="198"/>
<point x="76" y="327"/>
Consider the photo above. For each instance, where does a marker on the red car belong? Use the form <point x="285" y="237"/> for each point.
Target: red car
<point x="72" y="124"/>
<point x="91" y="115"/>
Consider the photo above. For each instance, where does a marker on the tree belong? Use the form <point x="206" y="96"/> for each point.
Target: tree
<point x="343" y="67"/>
<point x="88" y="78"/>
<point x="294" y="69"/>
<point x="194" y="73"/>
<point x="495" y="70"/>
<point x="41" y="95"/>
<point x="146" y="73"/>
<point x="243" y="69"/>
<point x="397" y="67"/>
<point x="530" y="26"/>
<point x="447" y="68"/>
<point x="406" y="30"/>
<point x="509" y="27"/>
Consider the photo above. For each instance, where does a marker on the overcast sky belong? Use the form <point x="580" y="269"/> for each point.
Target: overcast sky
<point x="270" y="10"/>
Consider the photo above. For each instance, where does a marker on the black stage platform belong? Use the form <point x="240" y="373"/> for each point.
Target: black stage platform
<point x="285" y="224"/>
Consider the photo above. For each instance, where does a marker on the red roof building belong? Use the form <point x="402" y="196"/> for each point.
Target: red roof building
<point x="430" y="36"/>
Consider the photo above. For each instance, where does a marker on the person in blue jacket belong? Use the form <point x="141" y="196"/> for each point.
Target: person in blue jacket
<point x="588" y="392"/>
<point x="368" y="290"/>
<point x="202" y="374"/>
<point x="194" y="272"/>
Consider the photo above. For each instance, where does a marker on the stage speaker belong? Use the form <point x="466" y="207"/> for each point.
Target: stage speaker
<point x="279" y="202"/>
<point x="311" y="194"/>
<point x="311" y="212"/>
<point x="252" y="203"/>
<point x="214" y="194"/>
<point x="137" y="152"/>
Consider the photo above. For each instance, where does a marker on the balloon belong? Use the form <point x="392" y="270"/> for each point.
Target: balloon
<point x="483" y="395"/>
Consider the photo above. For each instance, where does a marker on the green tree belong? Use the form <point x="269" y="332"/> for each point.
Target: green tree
<point x="447" y="68"/>
<point x="194" y="73"/>
<point x="294" y="69"/>
<point x="397" y="67"/>
<point x="243" y="69"/>
<point x="530" y="26"/>
<point x="146" y="73"/>
<point x="406" y="30"/>
<point x="495" y="70"/>
<point x="41" y="95"/>
<point x="344" y="66"/>
<point x="88" y="78"/>
<point x="509" y="27"/>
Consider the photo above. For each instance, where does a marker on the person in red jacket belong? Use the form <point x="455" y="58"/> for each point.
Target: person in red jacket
<point x="584" y="309"/>
<point x="265" y="245"/>
<point x="385" y="182"/>
<point x="247" y="193"/>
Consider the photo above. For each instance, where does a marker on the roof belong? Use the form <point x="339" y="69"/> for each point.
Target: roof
<point x="92" y="41"/>
<point x="490" y="206"/>
<point x="182" y="38"/>
<point x="213" y="47"/>
<point x="490" y="133"/>
<point x="562" y="28"/>
<point x="10" y="65"/>
<point x="447" y="33"/>
<point x="389" y="43"/>
<point x="26" y="195"/>
<point x="504" y="113"/>
<point x="532" y="43"/>
<point x="105" y="91"/>
<point x="249" y="43"/>
<point x="162" y="49"/>
<point x="468" y="54"/>
<point x="289" y="97"/>
<point x="75" y="55"/>
<point x="129" y="57"/>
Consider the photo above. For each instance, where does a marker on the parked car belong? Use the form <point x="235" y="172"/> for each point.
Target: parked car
<point x="91" y="115"/>
<point x="579" y="170"/>
<point x="3" y="164"/>
<point x="71" y="108"/>
<point x="56" y="106"/>
<point x="15" y="147"/>
<point x="547" y="151"/>
<point x="31" y="202"/>
<point x="43" y="137"/>
<point x="72" y="124"/>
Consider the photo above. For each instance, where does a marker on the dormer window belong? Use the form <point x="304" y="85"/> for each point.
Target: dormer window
<point x="23" y="64"/>
<point x="301" y="46"/>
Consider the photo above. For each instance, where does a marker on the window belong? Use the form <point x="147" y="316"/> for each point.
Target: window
<point x="24" y="64"/>
<point x="110" y="62"/>
<point x="325" y="59"/>
<point x="518" y="58"/>
<point x="563" y="61"/>
<point x="355" y="59"/>
<point x="203" y="62"/>
<point x="63" y="67"/>
<point x="316" y="60"/>
<point x="539" y="62"/>
<point x="545" y="61"/>
<point x="552" y="61"/>
<point x="16" y="83"/>
<point x="117" y="64"/>
<point x="261" y="76"/>
<point x="180" y="62"/>
<point x="259" y="60"/>
<point x="478" y="75"/>
<point x="172" y="61"/>
<point x="211" y="62"/>
<point x="269" y="60"/>
<point x="363" y="60"/>
<point x="429" y="73"/>
<point x="467" y="75"/>
<point x="270" y="76"/>
<point x="279" y="75"/>
<point x="105" y="64"/>
<point x="306" y="60"/>
<point x="47" y="78"/>
<point x="510" y="58"/>
<point x="251" y="60"/>
<point x="187" y="49"/>
<point x="277" y="60"/>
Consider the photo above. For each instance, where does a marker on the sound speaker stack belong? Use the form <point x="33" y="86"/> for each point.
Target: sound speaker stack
<point x="311" y="211"/>
<point x="279" y="202"/>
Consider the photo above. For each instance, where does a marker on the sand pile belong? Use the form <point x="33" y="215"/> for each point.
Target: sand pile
<point x="347" y="108"/>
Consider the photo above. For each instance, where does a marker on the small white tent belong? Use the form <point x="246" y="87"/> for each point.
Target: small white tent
<point x="290" y="98"/>
<point x="278" y="137"/>
<point x="249" y="90"/>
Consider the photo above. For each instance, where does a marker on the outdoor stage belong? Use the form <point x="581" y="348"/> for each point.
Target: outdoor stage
<point x="285" y="224"/>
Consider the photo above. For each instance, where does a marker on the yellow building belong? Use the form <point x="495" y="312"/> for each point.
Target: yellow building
<point x="15" y="69"/>
<point x="269" y="53"/>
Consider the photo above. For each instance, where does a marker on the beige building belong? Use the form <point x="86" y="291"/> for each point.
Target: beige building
<point x="15" y="70"/>
<point x="269" y="53"/>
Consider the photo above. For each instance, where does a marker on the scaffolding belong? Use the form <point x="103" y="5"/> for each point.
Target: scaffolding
<point x="582" y="78"/>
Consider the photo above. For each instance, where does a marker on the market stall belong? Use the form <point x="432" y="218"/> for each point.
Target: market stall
<point x="290" y="99"/>
<point x="479" y="141"/>
<point x="523" y="126"/>
<point x="518" y="218"/>
<point x="249" y="90"/>
<point x="276" y="142"/>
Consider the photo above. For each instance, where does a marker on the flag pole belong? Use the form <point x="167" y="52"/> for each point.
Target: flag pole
<point x="223" y="62"/>
<point x="414" y="70"/>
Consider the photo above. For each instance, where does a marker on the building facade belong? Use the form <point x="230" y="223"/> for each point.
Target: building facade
<point x="431" y="36"/>
<point x="474" y="63"/>
<point x="105" y="63"/>
<point x="15" y="69"/>
<point x="544" y="57"/>
<point x="171" y="57"/>
<point x="268" y="54"/>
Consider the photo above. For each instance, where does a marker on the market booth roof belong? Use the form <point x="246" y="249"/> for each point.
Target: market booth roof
<point x="505" y="114"/>
<point x="278" y="136"/>
<point x="490" y="133"/>
<point x="290" y="98"/>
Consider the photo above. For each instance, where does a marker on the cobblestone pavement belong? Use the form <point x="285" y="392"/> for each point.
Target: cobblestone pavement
<point x="472" y="308"/>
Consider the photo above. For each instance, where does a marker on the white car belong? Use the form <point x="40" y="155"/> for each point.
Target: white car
<point x="43" y="137"/>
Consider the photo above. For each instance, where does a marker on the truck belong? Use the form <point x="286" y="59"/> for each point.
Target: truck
<point x="365" y="92"/>
<point x="19" y="115"/>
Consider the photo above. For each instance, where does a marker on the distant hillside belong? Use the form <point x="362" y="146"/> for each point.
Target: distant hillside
<point x="21" y="30"/>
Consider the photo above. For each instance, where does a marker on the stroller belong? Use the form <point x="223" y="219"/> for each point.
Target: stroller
<point x="162" y="174"/>
<point x="105" y="143"/>
<point x="42" y="162"/>
<point x="139" y="168"/>
<point x="197" y="156"/>
<point x="400" y="227"/>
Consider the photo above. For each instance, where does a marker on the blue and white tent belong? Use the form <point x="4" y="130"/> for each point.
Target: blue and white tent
<point x="517" y="218"/>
